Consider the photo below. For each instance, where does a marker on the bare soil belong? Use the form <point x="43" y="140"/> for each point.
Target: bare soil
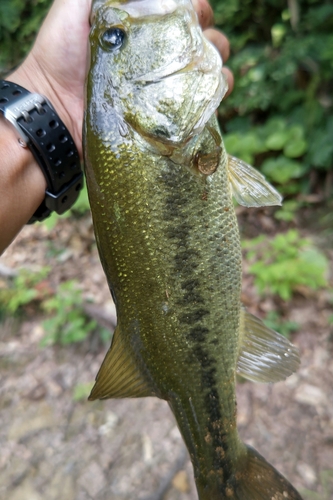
<point x="55" y="444"/>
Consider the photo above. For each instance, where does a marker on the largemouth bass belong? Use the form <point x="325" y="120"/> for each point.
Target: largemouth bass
<point x="160" y="186"/>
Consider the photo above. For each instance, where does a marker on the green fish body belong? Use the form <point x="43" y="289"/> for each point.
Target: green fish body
<point x="160" y="186"/>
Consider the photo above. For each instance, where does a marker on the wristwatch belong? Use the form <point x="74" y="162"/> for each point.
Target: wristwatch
<point x="41" y="130"/>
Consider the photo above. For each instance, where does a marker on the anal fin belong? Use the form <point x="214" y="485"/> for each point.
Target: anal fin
<point x="249" y="186"/>
<point x="118" y="376"/>
<point x="264" y="355"/>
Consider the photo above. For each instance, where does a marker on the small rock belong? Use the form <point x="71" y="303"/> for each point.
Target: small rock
<point x="22" y="426"/>
<point x="37" y="393"/>
<point x="25" y="491"/>
<point x="92" y="479"/>
<point x="242" y="418"/>
<point x="180" y="482"/>
<point x="64" y="256"/>
<point x="321" y="357"/>
<point x="63" y="483"/>
<point x="292" y="381"/>
<point x="307" y="473"/>
<point x="37" y="333"/>
<point x="310" y="394"/>
<point x="147" y="449"/>
<point x="110" y="423"/>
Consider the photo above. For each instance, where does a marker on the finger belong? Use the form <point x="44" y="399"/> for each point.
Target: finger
<point x="220" y="41"/>
<point x="230" y="79"/>
<point x="204" y="12"/>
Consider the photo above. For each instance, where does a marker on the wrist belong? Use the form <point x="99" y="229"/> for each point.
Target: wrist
<point x="30" y="76"/>
<point x="40" y="128"/>
<point x="22" y="185"/>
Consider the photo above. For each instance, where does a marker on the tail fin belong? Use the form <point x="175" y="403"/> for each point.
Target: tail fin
<point x="258" y="480"/>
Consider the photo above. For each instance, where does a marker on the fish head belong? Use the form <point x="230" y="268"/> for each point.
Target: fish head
<point x="152" y="65"/>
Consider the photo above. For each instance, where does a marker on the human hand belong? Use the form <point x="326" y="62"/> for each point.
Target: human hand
<point x="56" y="65"/>
<point x="56" y="68"/>
<point x="221" y="42"/>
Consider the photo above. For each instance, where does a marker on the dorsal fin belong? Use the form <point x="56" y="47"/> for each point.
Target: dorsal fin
<point x="118" y="376"/>
<point x="264" y="355"/>
<point x="249" y="186"/>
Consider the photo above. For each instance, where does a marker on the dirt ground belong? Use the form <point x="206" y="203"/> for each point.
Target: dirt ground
<point x="55" y="444"/>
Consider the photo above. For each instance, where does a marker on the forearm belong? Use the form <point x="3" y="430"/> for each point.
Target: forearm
<point x="56" y="68"/>
<point x="22" y="185"/>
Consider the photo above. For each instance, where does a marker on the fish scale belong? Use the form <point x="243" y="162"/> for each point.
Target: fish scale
<point x="161" y="244"/>
<point x="160" y="186"/>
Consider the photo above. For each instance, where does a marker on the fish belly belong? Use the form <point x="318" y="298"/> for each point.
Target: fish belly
<point x="169" y="245"/>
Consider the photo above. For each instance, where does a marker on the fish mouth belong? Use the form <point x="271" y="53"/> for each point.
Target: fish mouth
<point x="168" y="92"/>
<point x="142" y="8"/>
<point x="181" y="95"/>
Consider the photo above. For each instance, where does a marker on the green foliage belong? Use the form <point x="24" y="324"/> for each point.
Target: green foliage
<point x="284" y="263"/>
<point x="22" y="290"/>
<point x="81" y="392"/>
<point x="279" y="116"/>
<point x="283" y="65"/>
<point x="287" y="211"/>
<point x="273" y="320"/>
<point x="19" y="23"/>
<point x="52" y="220"/>
<point x="80" y="208"/>
<point x="281" y="145"/>
<point x="82" y="204"/>
<point x="68" y="322"/>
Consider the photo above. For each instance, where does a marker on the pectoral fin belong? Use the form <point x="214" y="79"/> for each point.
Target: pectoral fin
<point x="265" y="355"/>
<point x="119" y="377"/>
<point x="249" y="186"/>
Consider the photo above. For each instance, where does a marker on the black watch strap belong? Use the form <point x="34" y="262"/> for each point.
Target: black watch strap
<point x="40" y="128"/>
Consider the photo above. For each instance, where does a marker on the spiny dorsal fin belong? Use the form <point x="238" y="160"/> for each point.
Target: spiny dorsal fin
<point x="264" y="355"/>
<point x="249" y="186"/>
<point x="118" y="376"/>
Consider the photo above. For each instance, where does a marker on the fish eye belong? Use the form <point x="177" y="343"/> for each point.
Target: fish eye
<point x="113" y="38"/>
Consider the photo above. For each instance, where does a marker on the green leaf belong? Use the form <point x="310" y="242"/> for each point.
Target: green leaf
<point x="288" y="210"/>
<point x="282" y="169"/>
<point x="277" y="140"/>
<point x="51" y="221"/>
<point x="296" y="148"/>
<point x="287" y="261"/>
<point x="82" y="204"/>
<point x="82" y="391"/>
<point x="10" y="13"/>
<point x="278" y="32"/>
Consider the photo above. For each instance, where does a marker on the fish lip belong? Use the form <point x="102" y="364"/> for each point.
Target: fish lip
<point x="140" y="8"/>
<point x="160" y="74"/>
